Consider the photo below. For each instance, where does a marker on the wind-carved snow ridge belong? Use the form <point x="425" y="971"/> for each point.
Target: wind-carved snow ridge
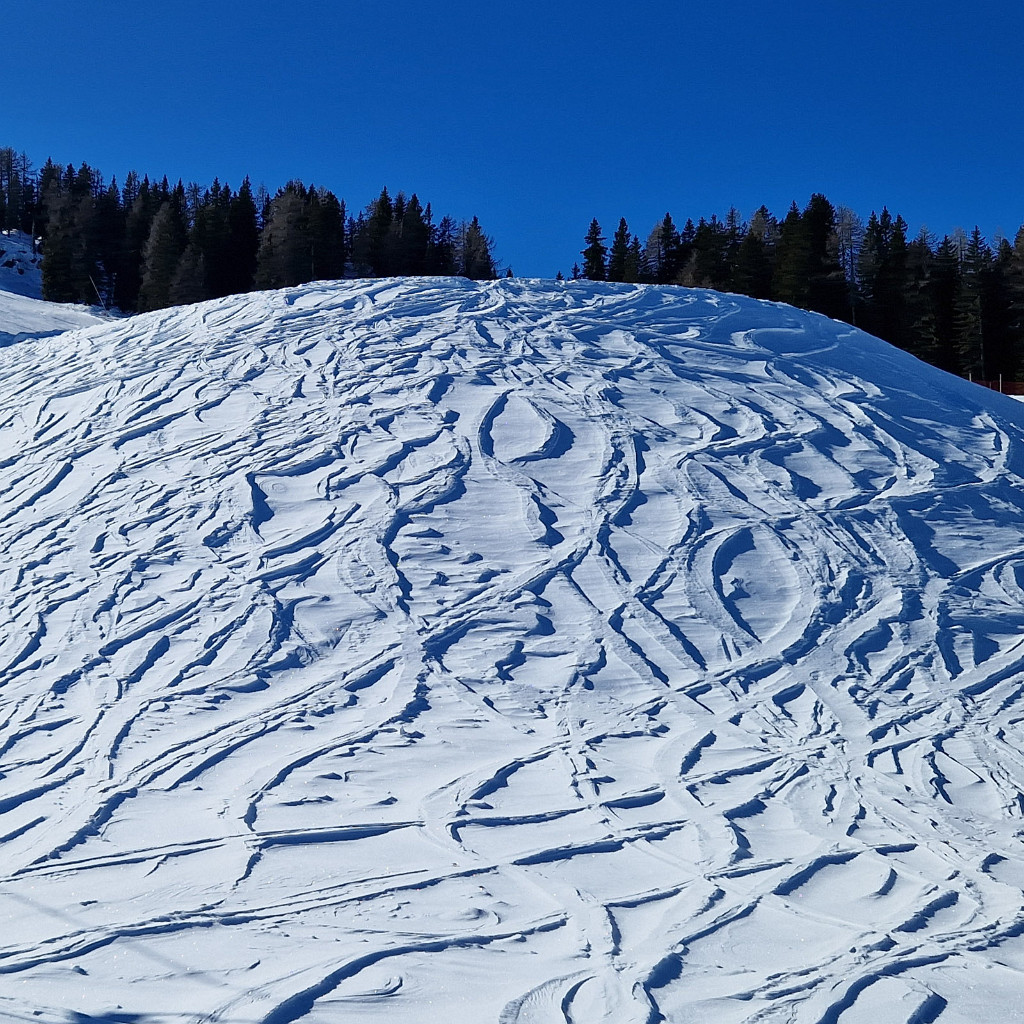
<point x="517" y="652"/>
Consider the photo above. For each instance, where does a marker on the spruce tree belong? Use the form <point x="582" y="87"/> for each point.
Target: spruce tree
<point x="377" y="245"/>
<point x="327" y="235"/>
<point x="735" y="231"/>
<point x="827" y="291"/>
<point x="139" y="214"/>
<point x="922" y="337"/>
<point x="164" y="247"/>
<point x="943" y="288"/>
<point x="285" y="255"/>
<point x="442" y="259"/>
<point x="891" y="286"/>
<point x="188" y="284"/>
<point x="415" y="238"/>
<point x="667" y="251"/>
<point x="789" y="279"/>
<point x="969" y="307"/>
<point x="618" y="261"/>
<point x="58" y="249"/>
<point x="1015" y="297"/>
<point x="708" y="263"/>
<point x="211" y="240"/>
<point x="1001" y="335"/>
<point x="243" y="240"/>
<point x="871" y="262"/>
<point x="477" y="261"/>
<point x="109" y="230"/>
<point x="71" y="271"/>
<point x="595" y="254"/>
<point x="753" y="272"/>
<point x="637" y="268"/>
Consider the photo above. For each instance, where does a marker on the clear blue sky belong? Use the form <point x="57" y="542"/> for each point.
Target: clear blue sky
<point x="538" y="116"/>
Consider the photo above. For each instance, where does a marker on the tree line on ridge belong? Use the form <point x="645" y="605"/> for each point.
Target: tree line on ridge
<point x="957" y="302"/>
<point x="147" y="245"/>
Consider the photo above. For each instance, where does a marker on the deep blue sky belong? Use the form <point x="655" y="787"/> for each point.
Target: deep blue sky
<point x="538" y="116"/>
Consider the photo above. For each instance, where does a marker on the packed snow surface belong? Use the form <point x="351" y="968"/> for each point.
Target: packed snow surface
<point x="22" y="317"/>
<point x="520" y="652"/>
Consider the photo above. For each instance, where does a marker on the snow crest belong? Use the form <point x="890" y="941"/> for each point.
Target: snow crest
<point x="516" y="652"/>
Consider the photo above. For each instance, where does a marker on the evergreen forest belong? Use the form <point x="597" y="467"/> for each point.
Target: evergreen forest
<point x="956" y="302"/>
<point x="145" y="245"/>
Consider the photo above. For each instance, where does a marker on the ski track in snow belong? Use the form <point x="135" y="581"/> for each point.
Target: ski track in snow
<point x="521" y="652"/>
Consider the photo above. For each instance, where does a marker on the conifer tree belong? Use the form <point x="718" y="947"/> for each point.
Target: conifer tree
<point x="70" y="247"/>
<point x="891" y="287"/>
<point x="1002" y="340"/>
<point x="108" y="238"/>
<point x="442" y="257"/>
<point x="708" y="263"/>
<point x="667" y="251"/>
<point x="58" y="249"/>
<point x="328" y="251"/>
<point x="595" y="254"/>
<point x="753" y="272"/>
<point x="477" y="261"/>
<point x="415" y="239"/>
<point x="167" y="240"/>
<point x="1015" y="294"/>
<point x="618" y="260"/>
<point x="789" y="279"/>
<point x="211" y="241"/>
<point x="243" y="240"/>
<point x="969" y="307"/>
<point x="849" y="237"/>
<point x="16" y="196"/>
<point x="285" y="254"/>
<point x="735" y="231"/>
<point x="139" y="214"/>
<point x="376" y="246"/>
<point x="189" y="281"/>
<point x="922" y="328"/>
<point x="943" y="288"/>
<point x="827" y="291"/>
<point x="637" y="268"/>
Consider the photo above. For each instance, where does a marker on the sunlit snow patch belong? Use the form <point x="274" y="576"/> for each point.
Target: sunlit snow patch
<point x="516" y="652"/>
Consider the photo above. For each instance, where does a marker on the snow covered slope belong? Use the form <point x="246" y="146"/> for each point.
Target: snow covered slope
<point x="435" y="651"/>
<point x="22" y="318"/>
<point x="20" y="265"/>
<point x="23" y="314"/>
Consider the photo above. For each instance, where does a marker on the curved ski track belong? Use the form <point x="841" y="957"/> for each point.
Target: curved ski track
<point x="521" y="652"/>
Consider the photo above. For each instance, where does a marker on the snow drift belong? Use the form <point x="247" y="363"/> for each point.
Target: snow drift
<point x="519" y="652"/>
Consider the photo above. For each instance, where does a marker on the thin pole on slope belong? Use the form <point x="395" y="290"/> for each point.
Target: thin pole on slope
<point x="98" y="296"/>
